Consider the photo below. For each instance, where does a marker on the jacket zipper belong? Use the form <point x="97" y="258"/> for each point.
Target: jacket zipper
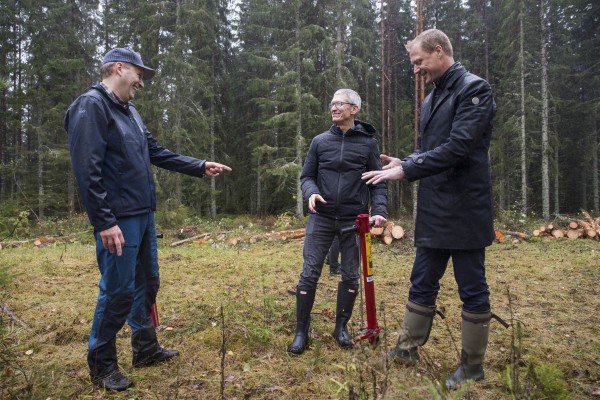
<point x="337" y="202"/>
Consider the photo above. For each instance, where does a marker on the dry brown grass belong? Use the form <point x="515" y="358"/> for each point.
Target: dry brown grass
<point x="554" y="287"/>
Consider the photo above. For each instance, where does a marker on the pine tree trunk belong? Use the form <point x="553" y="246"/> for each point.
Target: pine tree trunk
<point x="340" y="46"/>
<point x="525" y="204"/>
<point x="419" y="97"/>
<point x="556" y="178"/>
<point x="544" y="94"/>
<point x="595" y="149"/>
<point x="40" y="176"/>
<point x="258" y="187"/>
<point x="70" y="190"/>
<point x="177" y="118"/>
<point x="213" y="188"/>
<point x="382" y="69"/>
<point x="299" y="140"/>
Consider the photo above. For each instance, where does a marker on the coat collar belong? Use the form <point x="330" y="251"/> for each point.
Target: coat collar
<point x="360" y="128"/>
<point x="449" y="77"/>
<point x="446" y="82"/>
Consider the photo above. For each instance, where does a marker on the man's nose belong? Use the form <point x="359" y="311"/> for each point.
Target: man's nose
<point x="141" y="83"/>
<point x="416" y="69"/>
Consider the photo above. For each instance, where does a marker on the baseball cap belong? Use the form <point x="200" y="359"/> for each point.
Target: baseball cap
<point x="128" y="56"/>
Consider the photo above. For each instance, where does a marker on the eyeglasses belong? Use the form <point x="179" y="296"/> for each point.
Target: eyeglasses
<point x="339" y="104"/>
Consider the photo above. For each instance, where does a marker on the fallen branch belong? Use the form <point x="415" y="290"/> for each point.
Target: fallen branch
<point x="519" y="235"/>
<point x="180" y="242"/>
<point x="279" y="235"/>
<point x="14" y="317"/>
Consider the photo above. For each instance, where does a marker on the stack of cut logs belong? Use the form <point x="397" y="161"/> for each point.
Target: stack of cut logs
<point x="388" y="233"/>
<point x="590" y="228"/>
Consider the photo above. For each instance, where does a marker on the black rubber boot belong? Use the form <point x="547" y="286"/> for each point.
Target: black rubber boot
<point x="475" y="333"/>
<point x="104" y="370"/>
<point x="304" y="303"/>
<point x="114" y="381"/>
<point x="346" y="297"/>
<point x="147" y="351"/>
<point x="416" y="327"/>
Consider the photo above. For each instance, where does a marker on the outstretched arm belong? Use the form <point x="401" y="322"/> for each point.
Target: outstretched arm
<point x="391" y="171"/>
<point x="214" y="169"/>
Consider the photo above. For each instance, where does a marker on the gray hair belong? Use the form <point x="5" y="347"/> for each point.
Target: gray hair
<point x="107" y="69"/>
<point x="350" y="95"/>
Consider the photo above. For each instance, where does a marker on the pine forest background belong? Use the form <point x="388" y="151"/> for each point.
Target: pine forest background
<point x="247" y="83"/>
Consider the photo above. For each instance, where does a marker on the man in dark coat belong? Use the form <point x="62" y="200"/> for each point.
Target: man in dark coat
<point x="112" y="152"/>
<point x="331" y="184"/>
<point x="454" y="210"/>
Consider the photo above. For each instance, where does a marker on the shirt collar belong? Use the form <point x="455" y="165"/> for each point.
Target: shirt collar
<point x="112" y="94"/>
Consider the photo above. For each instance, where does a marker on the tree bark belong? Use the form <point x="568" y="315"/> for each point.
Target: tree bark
<point x="525" y="204"/>
<point x="299" y="139"/>
<point x="544" y="94"/>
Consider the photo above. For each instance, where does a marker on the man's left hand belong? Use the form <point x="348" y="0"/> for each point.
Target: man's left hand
<point x="378" y="220"/>
<point x="214" y="169"/>
<point x="392" y="174"/>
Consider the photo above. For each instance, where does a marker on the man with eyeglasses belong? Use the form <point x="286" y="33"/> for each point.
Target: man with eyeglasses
<point x="112" y="152"/>
<point x="332" y="186"/>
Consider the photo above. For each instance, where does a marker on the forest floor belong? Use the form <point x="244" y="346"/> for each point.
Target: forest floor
<point x="228" y="311"/>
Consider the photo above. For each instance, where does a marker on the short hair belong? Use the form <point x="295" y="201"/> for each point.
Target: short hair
<point x="429" y="39"/>
<point x="350" y="95"/>
<point x="107" y="69"/>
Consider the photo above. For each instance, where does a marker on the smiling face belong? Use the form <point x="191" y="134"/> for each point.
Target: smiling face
<point x="429" y="65"/>
<point x="342" y="111"/>
<point x="131" y="80"/>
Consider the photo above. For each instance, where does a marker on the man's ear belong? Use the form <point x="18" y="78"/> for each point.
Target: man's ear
<point x="119" y="68"/>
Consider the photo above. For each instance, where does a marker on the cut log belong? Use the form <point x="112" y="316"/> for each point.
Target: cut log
<point x="234" y="241"/>
<point x="574" y="233"/>
<point x="397" y="232"/>
<point x="500" y="238"/>
<point x="573" y="225"/>
<point x="558" y="233"/>
<point x="537" y="232"/>
<point x="377" y="230"/>
<point x="588" y="217"/>
<point x="550" y="228"/>
<point x="387" y="239"/>
<point x="387" y="230"/>
<point x="281" y="235"/>
<point x="591" y="233"/>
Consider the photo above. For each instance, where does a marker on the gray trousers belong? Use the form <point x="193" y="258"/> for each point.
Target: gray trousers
<point x="320" y="232"/>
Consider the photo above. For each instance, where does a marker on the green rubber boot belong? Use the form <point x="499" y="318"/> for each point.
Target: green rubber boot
<point x="475" y="333"/>
<point x="416" y="327"/>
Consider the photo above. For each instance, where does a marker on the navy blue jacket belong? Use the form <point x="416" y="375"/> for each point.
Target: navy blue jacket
<point x="455" y="203"/>
<point x="333" y="168"/>
<point x="112" y="152"/>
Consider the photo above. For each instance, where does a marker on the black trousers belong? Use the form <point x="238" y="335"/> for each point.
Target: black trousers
<point x="469" y="271"/>
<point x="320" y="232"/>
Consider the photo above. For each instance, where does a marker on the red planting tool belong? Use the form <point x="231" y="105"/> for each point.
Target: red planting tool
<point x="363" y="232"/>
<point x="154" y="315"/>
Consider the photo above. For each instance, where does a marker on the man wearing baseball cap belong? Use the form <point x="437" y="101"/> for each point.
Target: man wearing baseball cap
<point x="112" y="152"/>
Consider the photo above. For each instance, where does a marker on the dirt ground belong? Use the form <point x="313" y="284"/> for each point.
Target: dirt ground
<point x="228" y="311"/>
